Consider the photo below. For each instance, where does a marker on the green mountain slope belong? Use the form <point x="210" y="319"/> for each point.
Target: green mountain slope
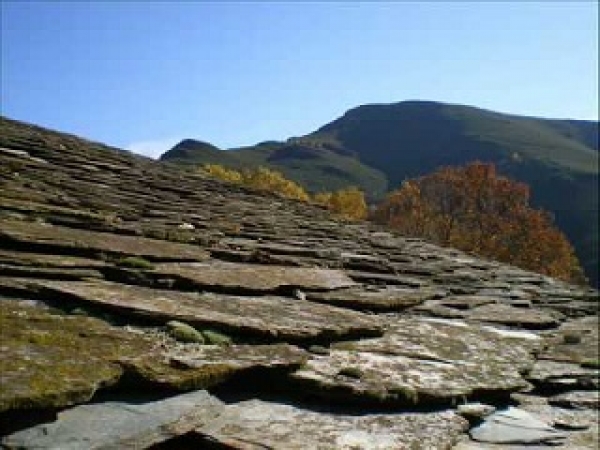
<point x="378" y="146"/>
<point x="317" y="168"/>
<point x="421" y="134"/>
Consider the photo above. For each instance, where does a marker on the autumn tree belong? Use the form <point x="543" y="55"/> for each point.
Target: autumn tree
<point x="472" y="208"/>
<point x="349" y="203"/>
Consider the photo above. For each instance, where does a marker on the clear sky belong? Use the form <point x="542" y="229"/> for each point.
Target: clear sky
<point x="143" y="75"/>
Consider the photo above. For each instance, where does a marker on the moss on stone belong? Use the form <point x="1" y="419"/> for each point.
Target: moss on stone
<point x="318" y="350"/>
<point x="175" y="375"/>
<point x="50" y="361"/>
<point x="215" y="338"/>
<point x="57" y="360"/>
<point x="184" y="332"/>
<point x="135" y="262"/>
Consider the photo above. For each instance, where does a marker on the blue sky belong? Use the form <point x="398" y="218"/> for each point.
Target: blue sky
<point x="143" y="75"/>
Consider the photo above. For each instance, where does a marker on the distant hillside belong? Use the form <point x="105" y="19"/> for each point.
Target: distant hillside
<point x="378" y="146"/>
<point x="317" y="168"/>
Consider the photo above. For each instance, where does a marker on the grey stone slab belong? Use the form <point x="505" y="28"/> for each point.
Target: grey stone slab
<point x="257" y="425"/>
<point x="554" y="374"/>
<point x="119" y="425"/>
<point x="422" y="361"/>
<point x="77" y="240"/>
<point x="257" y="278"/>
<point x="515" y="426"/>
<point x="270" y="317"/>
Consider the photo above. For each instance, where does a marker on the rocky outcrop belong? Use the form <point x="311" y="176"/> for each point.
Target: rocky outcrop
<point x="128" y="287"/>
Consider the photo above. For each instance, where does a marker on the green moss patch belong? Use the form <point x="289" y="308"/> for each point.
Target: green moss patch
<point x="56" y="360"/>
<point x="183" y="332"/>
<point x="135" y="262"/>
<point x="215" y="338"/>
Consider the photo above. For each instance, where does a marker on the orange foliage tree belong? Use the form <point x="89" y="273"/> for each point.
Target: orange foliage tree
<point x="474" y="209"/>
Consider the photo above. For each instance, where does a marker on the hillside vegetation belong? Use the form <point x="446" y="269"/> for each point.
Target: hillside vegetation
<point x="317" y="168"/>
<point x="348" y="203"/>
<point x="376" y="147"/>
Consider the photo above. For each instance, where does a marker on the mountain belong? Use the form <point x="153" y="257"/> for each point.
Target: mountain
<point x="146" y="306"/>
<point x="314" y="166"/>
<point x="377" y="146"/>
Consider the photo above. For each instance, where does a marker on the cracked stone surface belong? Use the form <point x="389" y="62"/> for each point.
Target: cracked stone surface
<point x="515" y="426"/>
<point x="255" y="424"/>
<point x="422" y="361"/>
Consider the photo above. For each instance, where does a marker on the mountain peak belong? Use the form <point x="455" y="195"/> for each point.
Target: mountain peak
<point x="188" y="148"/>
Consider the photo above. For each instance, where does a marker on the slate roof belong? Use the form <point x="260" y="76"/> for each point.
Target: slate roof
<point x="343" y="335"/>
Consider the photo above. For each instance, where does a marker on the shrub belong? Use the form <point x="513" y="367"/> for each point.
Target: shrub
<point x="261" y="178"/>
<point x="349" y="203"/>
<point x="222" y="173"/>
<point x="272" y="181"/>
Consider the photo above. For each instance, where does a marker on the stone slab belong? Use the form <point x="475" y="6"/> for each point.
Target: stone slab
<point x="119" y="425"/>
<point x="379" y="299"/>
<point x="515" y="426"/>
<point x="421" y="361"/>
<point x="563" y="375"/>
<point x="77" y="241"/>
<point x="50" y="360"/>
<point x="257" y="425"/>
<point x="529" y="318"/>
<point x="269" y="317"/>
<point x="256" y="278"/>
